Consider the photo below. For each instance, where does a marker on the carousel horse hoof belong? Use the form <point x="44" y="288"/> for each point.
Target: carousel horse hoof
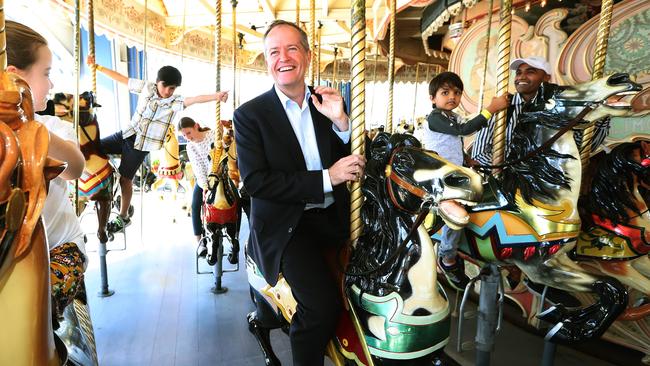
<point x="102" y="236"/>
<point x="261" y="333"/>
<point x="553" y="315"/>
<point x="201" y="250"/>
<point x="454" y="214"/>
<point x="553" y="296"/>
<point x="211" y="259"/>
<point x="233" y="256"/>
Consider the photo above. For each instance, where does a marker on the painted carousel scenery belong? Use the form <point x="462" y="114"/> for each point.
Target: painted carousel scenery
<point x="325" y="182"/>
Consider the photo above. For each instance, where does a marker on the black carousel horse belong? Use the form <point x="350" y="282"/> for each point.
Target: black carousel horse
<point x="397" y="311"/>
<point x="529" y="217"/>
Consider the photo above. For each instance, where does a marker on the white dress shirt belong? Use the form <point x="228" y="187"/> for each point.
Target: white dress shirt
<point x="303" y="127"/>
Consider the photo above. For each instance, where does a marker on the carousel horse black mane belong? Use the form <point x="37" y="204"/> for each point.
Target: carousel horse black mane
<point x="383" y="223"/>
<point x="612" y="185"/>
<point x="538" y="174"/>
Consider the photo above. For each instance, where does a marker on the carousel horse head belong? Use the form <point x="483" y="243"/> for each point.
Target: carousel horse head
<point x="24" y="261"/>
<point x="550" y="175"/>
<point x="530" y="217"/>
<point x="414" y="174"/>
<point x="95" y="183"/>
<point x="391" y="278"/>
<point x="404" y="127"/>
<point x="12" y="197"/>
<point x="606" y="96"/>
<point x="64" y="107"/>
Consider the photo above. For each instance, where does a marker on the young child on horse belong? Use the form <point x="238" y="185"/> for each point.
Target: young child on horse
<point x="29" y="56"/>
<point x="443" y="134"/>
<point x="157" y="106"/>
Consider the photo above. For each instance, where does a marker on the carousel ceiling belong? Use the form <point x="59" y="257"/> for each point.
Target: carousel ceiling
<point x="188" y="27"/>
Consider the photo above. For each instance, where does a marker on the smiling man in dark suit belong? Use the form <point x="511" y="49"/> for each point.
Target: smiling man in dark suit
<point x="294" y="157"/>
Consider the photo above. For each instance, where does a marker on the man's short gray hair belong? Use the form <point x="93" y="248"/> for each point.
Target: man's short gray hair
<point x="304" y="39"/>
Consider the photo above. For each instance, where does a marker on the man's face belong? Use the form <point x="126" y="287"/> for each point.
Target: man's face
<point x="287" y="60"/>
<point x="165" y="91"/>
<point x="528" y="79"/>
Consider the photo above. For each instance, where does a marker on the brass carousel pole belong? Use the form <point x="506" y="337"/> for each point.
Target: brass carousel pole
<point x="298" y="13"/>
<point x="312" y="39"/>
<point x="391" y="67"/>
<point x="91" y="45"/>
<point x="3" y="38"/>
<point x="77" y="73"/>
<point x="602" y="39"/>
<point x="357" y="108"/>
<point x="217" y="151"/>
<point x="357" y="124"/>
<point x="101" y="250"/>
<point x="374" y="83"/>
<point x="334" y="69"/>
<point x="234" y="53"/>
<point x="485" y="59"/>
<point x="415" y="97"/>
<point x="488" y="309"/>
<point x="145" y="76"/>
<point x="503" y="75"/>
<point x="320" y="31"/>
<point x="218" y="136"/>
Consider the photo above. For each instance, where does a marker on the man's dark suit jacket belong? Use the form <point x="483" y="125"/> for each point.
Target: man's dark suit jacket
<point x="275" y="175"/>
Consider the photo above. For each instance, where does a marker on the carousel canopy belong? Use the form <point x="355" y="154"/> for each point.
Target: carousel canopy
<point x="188" y="27"/>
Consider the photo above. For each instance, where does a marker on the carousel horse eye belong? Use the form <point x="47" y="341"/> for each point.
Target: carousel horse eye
<point x="457" y="180"/>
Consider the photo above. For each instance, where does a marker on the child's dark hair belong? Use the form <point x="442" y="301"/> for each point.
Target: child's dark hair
<point x="442" y="79"/>
<point x="187" y="122"/>
<point x="169" y="75"/>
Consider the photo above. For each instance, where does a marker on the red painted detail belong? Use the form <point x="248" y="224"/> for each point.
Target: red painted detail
<point x="529" y="252"/>
<point x="505" y="253"/>
<point x="553" y="249"/>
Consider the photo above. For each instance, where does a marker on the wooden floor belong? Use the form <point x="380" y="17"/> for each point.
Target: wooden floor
<point x="163" y="313"/>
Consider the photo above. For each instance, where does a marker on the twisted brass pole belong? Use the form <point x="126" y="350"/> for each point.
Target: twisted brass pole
<point x="320" y="32"/>
<point x="357" y="110"/>
<point x="218" y="132"/>
<point x="391" y="67"/>
<point x="3" y="38"/>
<point x="503" y="75"/>
<point x="485" y="59"/>
<point x="602" y="40"/>
<point x="91" y="45"/>
<point x="312" y="39"/>
<point x="234" y="53"/>
<point x="77" y="73"/>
